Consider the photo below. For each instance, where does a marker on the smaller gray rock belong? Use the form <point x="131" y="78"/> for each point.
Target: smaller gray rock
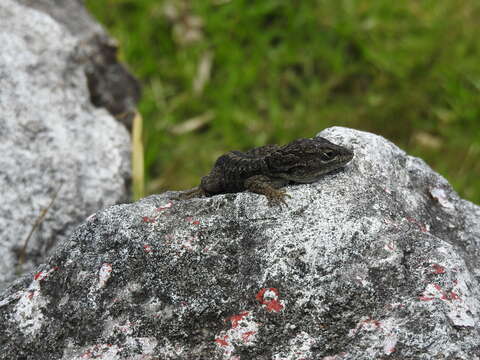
<point x="110" y="83"/>
<point x="52" y="139"/>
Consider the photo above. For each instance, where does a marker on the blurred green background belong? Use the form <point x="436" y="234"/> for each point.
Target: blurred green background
<point x="233" y="74"/>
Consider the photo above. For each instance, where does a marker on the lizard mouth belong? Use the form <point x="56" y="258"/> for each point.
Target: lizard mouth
<point x="311" y="177"/>
<point x="313" y="172"/>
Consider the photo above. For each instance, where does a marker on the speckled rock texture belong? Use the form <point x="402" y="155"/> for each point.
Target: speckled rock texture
<point x="52" y="139"/>
<point x="376" y="261"/>
<point x="110" y="83"/>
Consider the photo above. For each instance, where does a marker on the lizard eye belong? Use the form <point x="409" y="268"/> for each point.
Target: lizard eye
<point x="328" y="155"/>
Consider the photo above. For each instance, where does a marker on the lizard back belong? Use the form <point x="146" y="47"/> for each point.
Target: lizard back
<point x="235" y="167"/>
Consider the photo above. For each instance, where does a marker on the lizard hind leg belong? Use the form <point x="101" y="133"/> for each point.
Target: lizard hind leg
<point x="261" y="184"/>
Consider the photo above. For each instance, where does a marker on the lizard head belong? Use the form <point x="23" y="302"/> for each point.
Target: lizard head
<point x="306" y="160"/>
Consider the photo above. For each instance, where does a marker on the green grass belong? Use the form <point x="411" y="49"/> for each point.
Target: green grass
<point x="285" y="69"/>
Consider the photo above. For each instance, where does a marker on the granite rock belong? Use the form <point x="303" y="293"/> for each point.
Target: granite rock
<point x="376" y="261"/>
<point x="52" y="139"/>
<point x="110" y="83"/>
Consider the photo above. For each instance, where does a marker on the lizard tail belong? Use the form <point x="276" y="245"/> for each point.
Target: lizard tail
<point x="196" y="192"/>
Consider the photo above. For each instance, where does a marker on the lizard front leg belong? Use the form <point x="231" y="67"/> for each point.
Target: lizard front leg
<point x="262" y="184"/>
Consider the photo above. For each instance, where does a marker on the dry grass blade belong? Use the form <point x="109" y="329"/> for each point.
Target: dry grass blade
<point x="193" y="124"/>
<point x="138" y="171"/>
<point x="38" y="221"/>
<point x="203" y="73"/>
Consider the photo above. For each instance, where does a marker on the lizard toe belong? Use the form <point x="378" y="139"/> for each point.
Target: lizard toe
<point x="277" y="197"/>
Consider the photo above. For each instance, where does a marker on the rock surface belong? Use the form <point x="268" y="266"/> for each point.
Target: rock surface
<point x="110" y="83"/>
<point x="52" y="139"/>
<point x="376" y="261"/>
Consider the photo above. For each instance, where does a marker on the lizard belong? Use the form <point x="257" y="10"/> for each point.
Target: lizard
<point x="266" y="169"/>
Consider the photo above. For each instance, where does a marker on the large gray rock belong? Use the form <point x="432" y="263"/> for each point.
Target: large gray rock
<point x="377" y="261"/>
<point x="50" y="134"/>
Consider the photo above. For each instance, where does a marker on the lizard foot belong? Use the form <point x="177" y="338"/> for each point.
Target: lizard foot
<point x="262" y="184"/>
<point x="276" y="197"/>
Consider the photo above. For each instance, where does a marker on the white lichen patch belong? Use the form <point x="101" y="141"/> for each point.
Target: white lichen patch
<point x="182" y="243"/>
<point x="142" y="347"/>
<point x="243" y="332"/>
<point x="462" y="304"/>
<point x="172" y="351"/>
<point x="441" y="197"/>
<point x="146" y="344"/>
<point x="104" y="274"/>
<point x="299" y="348"/>
<point x="97" y="351"/>
<point x="152" y="215"/>
<point x="27" y="312"/>
<point x="452" y="291"/>
<point x="380" y="332"/>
